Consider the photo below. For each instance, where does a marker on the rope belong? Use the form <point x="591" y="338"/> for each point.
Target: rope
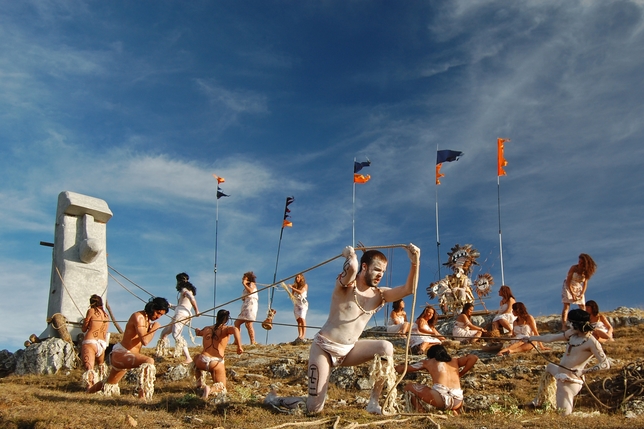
<point x="113" y="269"/>
<point x="68" y="293"/>
<point x="133" y="294"/>
<point x="392" y="391"/>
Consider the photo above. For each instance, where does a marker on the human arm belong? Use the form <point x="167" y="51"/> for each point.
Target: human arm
<point x="414" y="367"/>
<point x="298" y="291"/>
<point x="549" y="338"/>
<point x="609" y="327"/>
<point x="600" y="355"/>
<point x="466" y="363"/>
<point x="145" y="328"/>
<point x="349" y="269"/>
<point x="533" y="328"/>
<point x="468" y="323"/>
<point x="571" y="271"/>
<point x="86" y="321"/>
<point x="394" y="294"/>
<point x="188" y="294"/>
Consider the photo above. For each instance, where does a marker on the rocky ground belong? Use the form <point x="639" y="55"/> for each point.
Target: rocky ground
<point x="495" y="389"/>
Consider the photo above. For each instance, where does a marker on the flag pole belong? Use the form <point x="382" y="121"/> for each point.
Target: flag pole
<point x="498" y="187"/>
<point x="501" y="162"/>
<point x="438" y="242"/>
<point x="285" y="222"/>
<point x="216" y="239"/>
<point x="272" y="292"/>
<point x="353" y="210"/>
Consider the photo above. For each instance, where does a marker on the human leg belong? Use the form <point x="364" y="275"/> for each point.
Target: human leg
<point x="564" y="315"/>
<point x="88" y="357"/>
<point x="426" y="394"/>
<point x="319" y="370"/>
<point x="566" y="392"/>
<point x="237" y="324"/>
<point x="364" y="351"/>
<point x="301" y="328"/>
<point x="251" y="332"/>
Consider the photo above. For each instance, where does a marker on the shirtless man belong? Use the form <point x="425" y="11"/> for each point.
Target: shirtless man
<point x="356" y="298"/>
<point x="211" y="359"/>
<point x="582" y="345"/>
<point x="95" y="341"/>
<point x="446" y="372"/>
<point x="125" y="355"/>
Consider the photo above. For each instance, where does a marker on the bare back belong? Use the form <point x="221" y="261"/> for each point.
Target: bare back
<point x="445" y="373"/>
<point x="95" y="324"/>
<point x="215" y="341"/>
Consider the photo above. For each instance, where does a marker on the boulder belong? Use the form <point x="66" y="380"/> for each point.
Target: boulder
<point x="46" y="357"/>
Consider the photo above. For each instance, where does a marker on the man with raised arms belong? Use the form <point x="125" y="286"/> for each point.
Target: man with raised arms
<point x="446" y="373"/>
<point x="356" y="297"/>
<point x="125" y="355"/>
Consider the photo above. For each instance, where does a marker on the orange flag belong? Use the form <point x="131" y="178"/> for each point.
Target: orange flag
<point x="287" y="223"/>
<point x="501" y="162"/>
<point x="359" y="178"/>
<point x="219" y="179"/>
<point x="438" y="173"/>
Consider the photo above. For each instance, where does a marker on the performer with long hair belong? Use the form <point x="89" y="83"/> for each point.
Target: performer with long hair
<point x="95" y="340"/>
<point x="186" y="301"/>
<point x="575" y="285"/>
<point x="211" y="359"/>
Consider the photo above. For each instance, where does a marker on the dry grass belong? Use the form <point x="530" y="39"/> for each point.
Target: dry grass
<point x="59" y="401"/>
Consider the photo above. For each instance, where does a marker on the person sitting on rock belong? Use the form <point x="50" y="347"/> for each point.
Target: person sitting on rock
<point x="139" y="331"/>
<point x="603" y="329"/>
<point x="211" y="359"/>
<point x="424" y="333"/>
<point x="397" y="323"/>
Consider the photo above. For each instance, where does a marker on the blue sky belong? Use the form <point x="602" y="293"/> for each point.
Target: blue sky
<point x="139" y="103"/>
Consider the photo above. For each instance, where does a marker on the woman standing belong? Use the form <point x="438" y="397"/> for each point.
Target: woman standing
<point x="397" y="323"/>
<point x="186" y="301"/>
<point x="574" y="287"/>
<point x="300" y="305"/>
<point x="504" y="317"/>
<point x="424" y="332"/>
<point x="250" y="304"/>
<point x="464" y="328"/>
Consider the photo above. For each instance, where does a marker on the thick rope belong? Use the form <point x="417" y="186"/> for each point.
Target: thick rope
<point x="393" y="391"/>
<point x="113" y="269"/>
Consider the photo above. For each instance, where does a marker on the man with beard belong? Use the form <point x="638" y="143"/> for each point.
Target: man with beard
<point x="356" y="298"/>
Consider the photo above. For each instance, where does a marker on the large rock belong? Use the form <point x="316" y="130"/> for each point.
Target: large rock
<point x="7" y="363"/>
<point x="47" y="357"/>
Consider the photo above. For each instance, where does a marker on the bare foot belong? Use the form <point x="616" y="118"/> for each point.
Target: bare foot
<point x="187" y="361"/>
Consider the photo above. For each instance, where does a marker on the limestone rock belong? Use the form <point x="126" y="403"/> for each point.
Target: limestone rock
<point x="177" y="373"/>
<point x="47" y="357"/>
<point x="7" y="363"/>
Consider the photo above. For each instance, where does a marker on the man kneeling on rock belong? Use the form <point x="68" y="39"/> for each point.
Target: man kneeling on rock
<point x="125" y="355"/>
<point x="446" y="371"/>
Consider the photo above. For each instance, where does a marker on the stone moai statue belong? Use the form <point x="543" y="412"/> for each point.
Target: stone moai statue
<point x="79" y="267"/>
